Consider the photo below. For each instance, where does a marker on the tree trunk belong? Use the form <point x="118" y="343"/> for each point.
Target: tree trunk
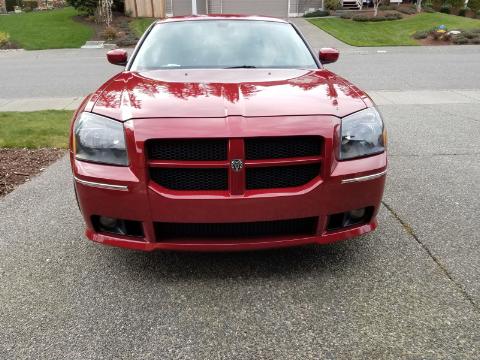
<point x="419" y="6"/>
<point x="375" y="10"/>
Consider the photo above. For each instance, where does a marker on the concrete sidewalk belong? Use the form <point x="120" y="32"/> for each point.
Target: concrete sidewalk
<point x="317" y="37"/>
<point x="37" y="104"/>
<point x="381" y="97"/>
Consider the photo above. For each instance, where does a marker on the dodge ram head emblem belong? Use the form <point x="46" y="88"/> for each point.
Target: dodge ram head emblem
<point x="236" y="164"/>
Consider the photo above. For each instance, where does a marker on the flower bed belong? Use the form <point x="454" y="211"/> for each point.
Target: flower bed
<point x="443" y="36"/>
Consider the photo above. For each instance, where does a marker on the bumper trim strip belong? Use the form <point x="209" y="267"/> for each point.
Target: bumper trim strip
<point x="101" y="185"/>
<point x="364" y="178"/>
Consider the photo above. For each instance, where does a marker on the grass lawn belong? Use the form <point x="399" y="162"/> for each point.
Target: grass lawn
<point x="390" y="33"/>
<point x="53" y="29"/>
<point x="139" y="25"/>
<point x="36" y="129"/>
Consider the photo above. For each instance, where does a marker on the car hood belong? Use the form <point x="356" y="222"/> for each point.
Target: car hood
<point x="220" y="93"/>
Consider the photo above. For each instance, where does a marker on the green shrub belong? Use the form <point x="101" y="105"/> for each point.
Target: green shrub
<point x="463" y="12"/>
<point x="474" y="5"/>
<point x="386" y="17"/>
<point x="87" y="7"/>
<point x="460" y="40"/>
<point x="10" y="4"/>
<point x="422" y="34"/>
<point x="446" y="9"/>
<point x="317" y="13"/>
<point x="478" y="14"/>
<point x="346" y="15"/>
<point x="428" y="9"/>
<point x="32" y="4"/>
<point x="407" y="10"/>
<point x="470" y="35"/>
<point x="4" y="39"/>
<point x="332" y="4"/>
<point x="456" y="4"/>
<point x="437" y="4"/>
<point x="387" y="7"/>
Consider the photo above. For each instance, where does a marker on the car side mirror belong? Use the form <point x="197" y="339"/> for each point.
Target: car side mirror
<point x="328" y="55"/>
<point x="117" y="57"/>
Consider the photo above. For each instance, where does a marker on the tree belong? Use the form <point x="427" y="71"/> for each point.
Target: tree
<point x="376" y="4"/>
<point x="419" y="6"/>
<point x="105" y="11"/>
<point x="474" y="5"/>
<point x="456" y="4"/>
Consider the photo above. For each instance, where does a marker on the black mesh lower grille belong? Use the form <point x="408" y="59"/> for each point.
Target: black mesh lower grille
<point x="305" y="226"/>
<point x="282" y="147"/>
<point x="280" y="176"/>
<point x="190" y="179"/>
<point x="188" y="150"/>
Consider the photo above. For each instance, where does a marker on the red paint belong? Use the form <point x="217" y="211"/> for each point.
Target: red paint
<point x="117" y="57"/>
<point x="328" y="55"/>
<point x="232" y="104"/>
<point x="217" y="93"/>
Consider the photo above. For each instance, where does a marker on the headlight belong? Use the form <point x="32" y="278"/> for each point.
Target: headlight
<point x="362" y="134"/>
<point x="99" y="139"/>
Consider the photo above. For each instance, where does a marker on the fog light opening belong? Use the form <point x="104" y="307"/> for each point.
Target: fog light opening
<point x="110" y="225"/>
<point x="107" y="222"/>
<point x="357" y="214"/>
<point x="350" y="218"/>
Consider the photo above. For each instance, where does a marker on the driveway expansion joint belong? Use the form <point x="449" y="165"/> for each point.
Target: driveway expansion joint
<point x="409" y="230"/>
<point x="433" y="155"/>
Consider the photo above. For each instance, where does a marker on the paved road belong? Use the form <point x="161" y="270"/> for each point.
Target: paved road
<point x="409" y="290"/>
<point x="56" y="73"/>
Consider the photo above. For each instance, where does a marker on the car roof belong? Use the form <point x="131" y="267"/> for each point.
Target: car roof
<point x="220" y="17"/>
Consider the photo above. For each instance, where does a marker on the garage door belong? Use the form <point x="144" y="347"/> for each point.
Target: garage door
<point x="184" y="7"/>
<point x="277" y="8"/>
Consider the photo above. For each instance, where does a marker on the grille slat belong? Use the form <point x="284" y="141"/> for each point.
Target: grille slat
<point x="190" y="179"/>
<point x="303" y="226"/>
<point x="188" y="150"/>
<point x="282" y="147"/>
<point x="281" y="176"/>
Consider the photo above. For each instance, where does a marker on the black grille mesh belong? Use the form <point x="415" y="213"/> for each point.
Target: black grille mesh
<point x="281" y="176"/>
<point x="305" y="226"/>
<point x="188" y="150"/>
<point x="282" y="147"/>
<point x="190" y="179"/>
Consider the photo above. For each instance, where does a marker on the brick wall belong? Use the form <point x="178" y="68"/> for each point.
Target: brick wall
<point x="2" y="6"/>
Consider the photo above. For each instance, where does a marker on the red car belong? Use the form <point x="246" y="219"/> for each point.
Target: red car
<point x="226" y="133"/>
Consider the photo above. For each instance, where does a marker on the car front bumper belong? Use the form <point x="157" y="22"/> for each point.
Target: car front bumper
<point x="128" y="193"/>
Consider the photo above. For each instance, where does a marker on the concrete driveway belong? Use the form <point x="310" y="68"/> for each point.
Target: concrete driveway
<point x="410" y="290"/>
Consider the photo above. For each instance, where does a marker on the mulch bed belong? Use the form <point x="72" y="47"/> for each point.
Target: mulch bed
<point x="432" y="42"/>
<point x="126" y="37"/>
<point x="9" y="46"/>
<point x="19" y="165"/>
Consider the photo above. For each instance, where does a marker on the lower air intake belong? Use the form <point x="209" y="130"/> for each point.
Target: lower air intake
<point x="292" y="227"/>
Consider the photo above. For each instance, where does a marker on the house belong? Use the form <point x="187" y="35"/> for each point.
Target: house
<point x="276" y="8"/>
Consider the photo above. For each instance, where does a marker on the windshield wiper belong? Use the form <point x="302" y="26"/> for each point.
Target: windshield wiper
<point x="242" y="67"/>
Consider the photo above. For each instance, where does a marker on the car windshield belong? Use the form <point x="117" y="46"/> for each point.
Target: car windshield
<point x="203" y="44"/>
